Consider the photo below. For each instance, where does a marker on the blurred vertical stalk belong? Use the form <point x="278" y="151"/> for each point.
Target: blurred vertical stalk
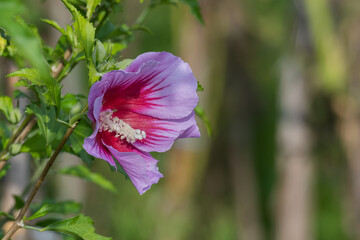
<point x="295" y="169"/>
<point x="348" y="128"/>
<point x="347" y="109"/>
<point x="330" y="68"/>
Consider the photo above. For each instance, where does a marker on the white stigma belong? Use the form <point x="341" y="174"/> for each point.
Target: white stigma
<point x="121" y="128"/>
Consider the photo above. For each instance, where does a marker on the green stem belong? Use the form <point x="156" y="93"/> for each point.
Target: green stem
<point x="33" y="228"/>
<point x="4" y="152"/>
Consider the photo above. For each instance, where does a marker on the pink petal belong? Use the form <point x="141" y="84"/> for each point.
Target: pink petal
<point x="94" y="146"/>
<point x="139" y="166"/>
<point x="163" y="86"/>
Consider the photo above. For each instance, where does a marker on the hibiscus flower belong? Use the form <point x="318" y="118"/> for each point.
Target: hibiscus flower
<point x="142" y="109"/>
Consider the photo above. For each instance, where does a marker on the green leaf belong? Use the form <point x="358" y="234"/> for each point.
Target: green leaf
<point x="70" y="104"/>
<point x="3" y="43"/>
<point x="90" y="7"/>
<point x="12" y="114"/>
<point x="124" y="63"/>
<point x="84" y="173"/>
<point x="70" y="35"/>
<point x="199" y="87"/>
<point x="82" y="131"/>
<point x="79" y="226"/>
<point x="195" y="9"/>
<point x="7" y="215"/>
<point x="201" y="113"/>
<point x="22" y="83"/>
<point x="19" y="94"/>
<point x="76" y="117"/>
<point x="84" y="30"/>
<point x="46" y="119"/>
<point x="53" y="96"/>
<point x="113" y="48"/>
<point x="28" y="73"/>
<point x="99" y="52"/>
<point x="15" y="148"/>
<point x="93" y="74"/>
<point x="5" y="134"/>
<point x="41" y="212"/>
<point x="65" y="207"/>
<point x="36" y="143"/>
<point x="4" y="170"/>
<point x="69" y="237"/>
<point x="55" y="25"/>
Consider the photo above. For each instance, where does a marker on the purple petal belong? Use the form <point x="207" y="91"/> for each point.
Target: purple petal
<point x="191" y="132"/>
<point x="161" y="134"/>
<point x="94" y="147"/>
<point x="97" y="90"/>
<point x="139" y="166"/>
<point x="93" y="144"/>
<point x="158" y="85"/>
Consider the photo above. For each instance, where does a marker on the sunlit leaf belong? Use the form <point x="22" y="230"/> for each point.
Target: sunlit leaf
<point x="99" y="52"/>
<point x="80" y="226"/>
<point x="90" y="7"/>
<point x="2" y="45"/>
<point x="124" y="63"/>
<point x="55" y="25"/>
<point x="15" y="148"/>
<point x="4" y="170"/>
<point x="113" y="48"/>
<point x="28" y="73"/>
<point x="45" y="209"/>
<point x="6" y="107"/>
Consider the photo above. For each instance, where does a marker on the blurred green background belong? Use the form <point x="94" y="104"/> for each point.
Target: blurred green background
<point x="282" y="85"/>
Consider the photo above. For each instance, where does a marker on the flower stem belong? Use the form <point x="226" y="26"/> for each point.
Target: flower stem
<point x="18" y="222"/>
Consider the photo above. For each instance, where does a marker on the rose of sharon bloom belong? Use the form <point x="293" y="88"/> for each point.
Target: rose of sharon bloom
<point x="141" y="109"/>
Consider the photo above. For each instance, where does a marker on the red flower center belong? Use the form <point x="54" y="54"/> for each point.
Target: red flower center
<point x="119" y="127"/>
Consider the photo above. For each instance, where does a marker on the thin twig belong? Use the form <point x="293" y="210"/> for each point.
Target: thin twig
<point x="15" y="136"/>
<point x="20" y="134"/>
<point x="19" y="219"/>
